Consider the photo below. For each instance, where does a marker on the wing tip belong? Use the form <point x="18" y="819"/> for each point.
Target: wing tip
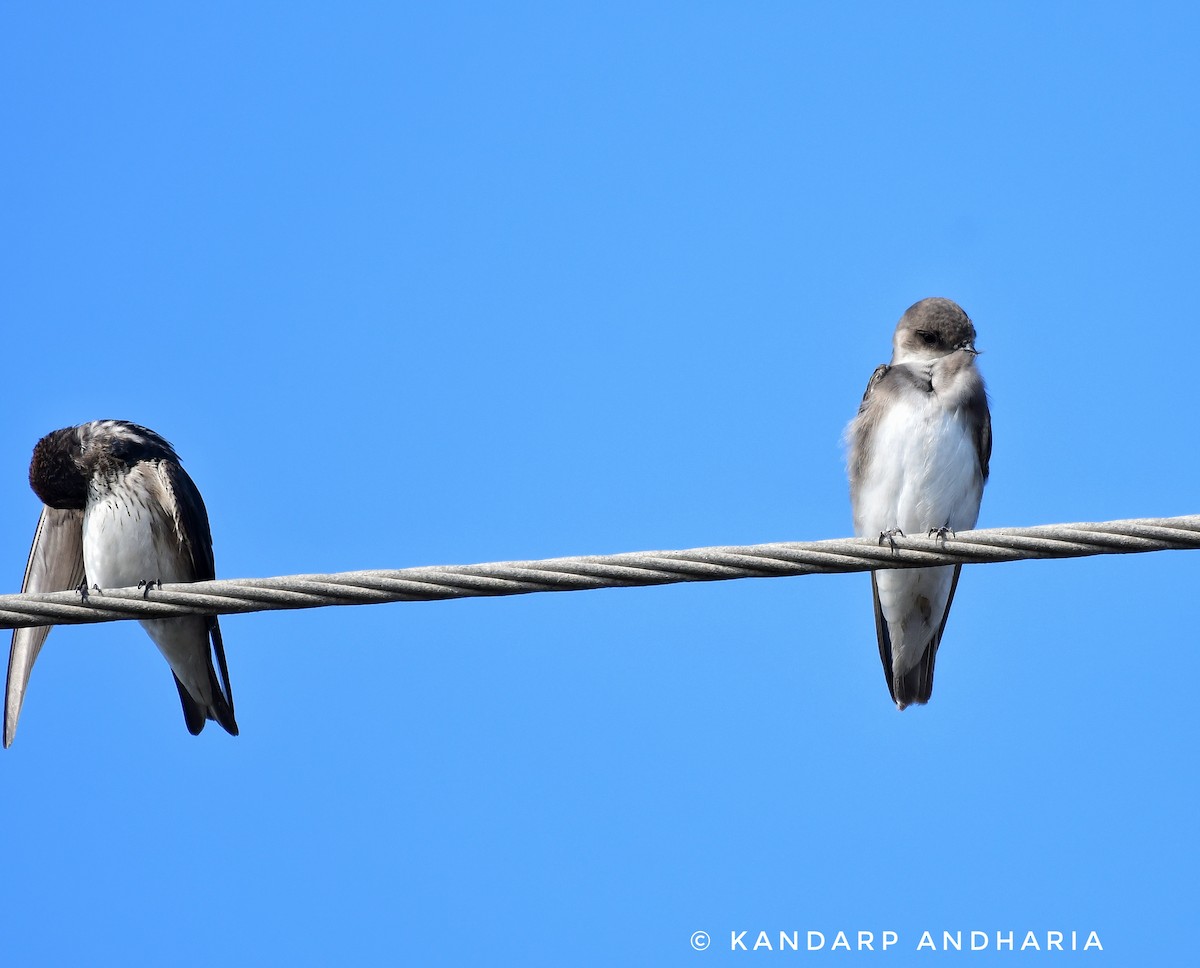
<point x="14" y="699"/>
<point x="221" y="712"/>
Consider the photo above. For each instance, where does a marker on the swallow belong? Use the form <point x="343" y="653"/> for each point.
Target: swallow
<point x="121" y="511"/>
<point x="919" y="451"/>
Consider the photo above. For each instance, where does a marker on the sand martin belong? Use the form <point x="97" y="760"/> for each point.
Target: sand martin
<point x="918" y="460"/>
<point x="121" y="510"/>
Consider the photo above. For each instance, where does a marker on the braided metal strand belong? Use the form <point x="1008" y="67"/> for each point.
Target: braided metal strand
<point x="602" y="571"/>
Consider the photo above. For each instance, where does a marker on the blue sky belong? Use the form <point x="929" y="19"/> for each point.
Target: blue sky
<point x="410" y="285"/>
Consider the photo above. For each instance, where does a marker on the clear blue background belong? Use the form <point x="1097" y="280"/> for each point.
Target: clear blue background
<point x="414" y="284"/>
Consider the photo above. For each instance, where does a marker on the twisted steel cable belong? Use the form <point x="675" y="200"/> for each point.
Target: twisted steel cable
<point x="433" y="583"/>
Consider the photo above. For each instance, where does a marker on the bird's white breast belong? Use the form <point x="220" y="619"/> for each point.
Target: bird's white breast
<point x="923" y="471"/>
<point x="127" y="537"/>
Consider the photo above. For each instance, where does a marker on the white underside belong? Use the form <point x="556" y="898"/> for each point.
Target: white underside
<point x="127" y="538"/>
<point x="924" y="473"/>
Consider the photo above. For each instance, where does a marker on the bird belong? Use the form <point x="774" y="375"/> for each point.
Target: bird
<point x="120" y="510"/>
<point x="918" y="458"/>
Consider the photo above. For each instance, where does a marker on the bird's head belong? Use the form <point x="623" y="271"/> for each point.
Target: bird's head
<point x="56" y="473"/>
<point x="930" y="330"/>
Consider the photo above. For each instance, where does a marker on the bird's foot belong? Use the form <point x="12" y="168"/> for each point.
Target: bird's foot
<point x="942" y="533"/>
<point x="147" y="584"/>
<point x="890" y="536"/>
<point x="82" y="588"/>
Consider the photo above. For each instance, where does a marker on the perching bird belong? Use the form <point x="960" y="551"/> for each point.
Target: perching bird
<point x="919" y="453"/>
<point x="122" y="511"/>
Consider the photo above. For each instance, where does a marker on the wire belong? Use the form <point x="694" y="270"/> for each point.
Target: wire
<point x="631" y="569"/>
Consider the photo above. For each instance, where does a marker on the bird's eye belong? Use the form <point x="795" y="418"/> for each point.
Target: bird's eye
<point x="929" y="338"/>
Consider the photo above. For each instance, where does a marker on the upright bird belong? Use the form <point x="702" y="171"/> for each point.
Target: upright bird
<point x="918" y="459"/>
<point x="121" y="511"/>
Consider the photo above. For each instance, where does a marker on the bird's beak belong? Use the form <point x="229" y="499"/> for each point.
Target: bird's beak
<point x="969" y="347"/>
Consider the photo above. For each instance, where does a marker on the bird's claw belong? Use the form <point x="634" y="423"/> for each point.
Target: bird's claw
<point x="82" y="588"/>
<point x="890" y="536"/>
<point x="147" y="585"/>
<point x="942" y="532"/>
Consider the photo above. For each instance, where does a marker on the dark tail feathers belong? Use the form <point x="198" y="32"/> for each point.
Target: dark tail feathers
<point x="221" y="710"/>
<point x="916" y="685"/>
